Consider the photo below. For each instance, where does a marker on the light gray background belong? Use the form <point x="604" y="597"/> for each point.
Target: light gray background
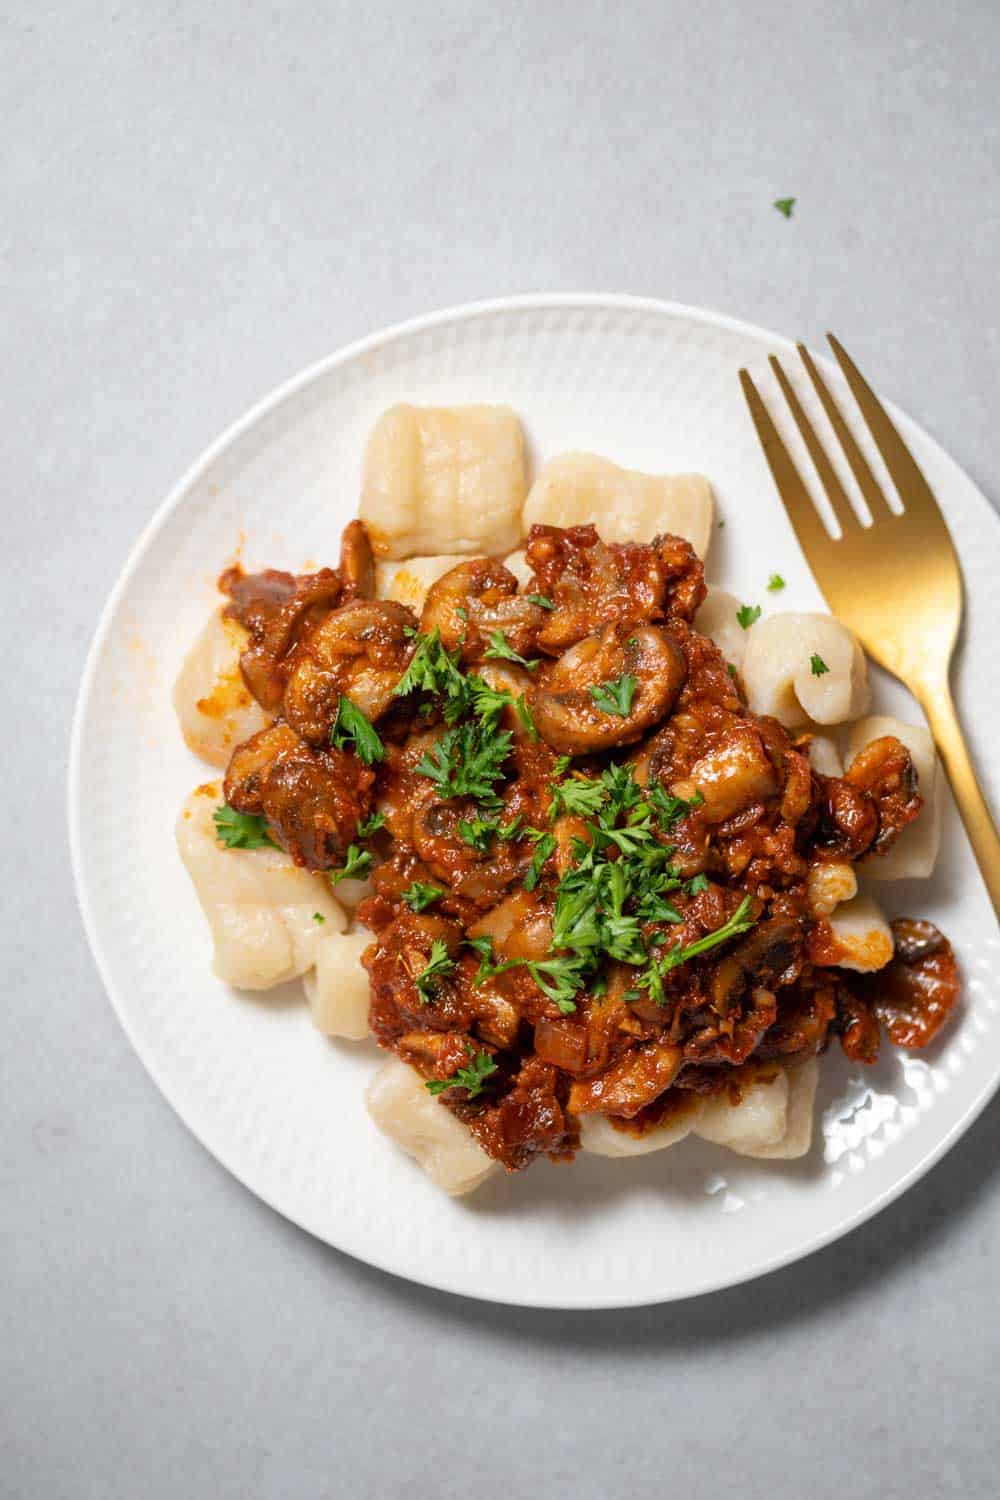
<point x="197" y="200"/>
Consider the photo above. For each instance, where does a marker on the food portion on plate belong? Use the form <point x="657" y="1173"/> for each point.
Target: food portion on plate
<point x="575" y="838"/>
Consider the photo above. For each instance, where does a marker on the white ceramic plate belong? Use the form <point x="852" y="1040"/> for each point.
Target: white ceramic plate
<point x="653" y="386"/>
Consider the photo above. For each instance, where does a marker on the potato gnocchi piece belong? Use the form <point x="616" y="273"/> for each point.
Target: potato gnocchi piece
<point x="444" y="478"/>
<point x="213" y="704"/>
<point x="337" y="988"/>
<point x="802" y="1080"/>
<point x="799" y="667"/>
<point x="426" y="1129"/>
<point x="408" y="582"/>
<point x="759" y="1120"/>
<point x="824" y="756"/>
<point x="913" y="854"/>
<point x="625" y="505"/>
<point x="260" y="907"/>
<point x="601" y="1138"/>
<point x="828" y="884"/>
<point x="717" y="619"/>
<point x="517" y="563"/>
<point x="862" y="938"/>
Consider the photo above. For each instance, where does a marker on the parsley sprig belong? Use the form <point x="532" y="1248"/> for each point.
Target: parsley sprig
<point x="500" y="649"/>
<point x="468" y="761"/>
<point x="615" y="697"/>
<point x="471" y="1078"/>
<point x="420" y="895"/>
<point x="437" y="967"/>
<point x="351" y="726"/>
<point x="238" y="830"/>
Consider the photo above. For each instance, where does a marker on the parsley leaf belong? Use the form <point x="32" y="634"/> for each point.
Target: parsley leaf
<point x="489" y="703"/>
<point x="467" y="761"/>
<point x="319" y="917"/>
<point x="562" y="765"/>
<point x="432" y="669"/>
<point x="419" y="896"/>
<point x="357" y="865"/>
<point x="652" y="978"/>
<point x="499" y="649"/>
<point x="352" y="725"/>
<point x="696" y="884"/>
<point x="747" y="614"/>
<point x="670" y="809"/>
<point x="238" y="830"/>
<point x="544" y="849"/>
<point x="580" y="795"/>
<point x="775" y="582"/>
<point x="785" y="206"/>
<point x="368" y="826"/>
<point x="541" y="599"/>
<point x="487" y="968"/>
<point x="438" y="965"/>
<point x="817" y="665"/>
<point x="471" y="1078"/>
<point x="477" y="832"/>
<point x="616" y="697"/>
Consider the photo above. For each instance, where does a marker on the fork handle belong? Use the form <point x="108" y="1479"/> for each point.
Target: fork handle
<point x="940" y="710"/>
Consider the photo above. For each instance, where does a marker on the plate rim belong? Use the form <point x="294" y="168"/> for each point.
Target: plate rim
<point x="462" y="312"/>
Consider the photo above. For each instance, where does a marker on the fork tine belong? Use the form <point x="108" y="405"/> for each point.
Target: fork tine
<point x="842" y="510"/>
<point x="809" y="529"/>
<point x="905" y="473"/>
<point x="867" y="483"/>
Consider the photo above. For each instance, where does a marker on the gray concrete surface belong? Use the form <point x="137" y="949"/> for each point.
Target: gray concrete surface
<point x="198" y="200"/>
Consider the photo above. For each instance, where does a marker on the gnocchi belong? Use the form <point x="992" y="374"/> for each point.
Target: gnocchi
<point x="758" y="1121"/>
<point x="800" y="667"/>
<point x="444" y="479"/>
<point x="409" y="581"/>
<point x="627" y="506"/>
<point x="260" y="907"/>
<point x="913" y="854"/>
<point x="862" y="938"/>
<point x="717" y="619"/>
<point x="337" y="988"/>
<point x="213" y="704"/>
<point x="426" y="1129"/>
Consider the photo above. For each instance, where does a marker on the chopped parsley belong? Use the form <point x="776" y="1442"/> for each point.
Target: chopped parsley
<point x="467" y="762"/>
<point x="319" y="917"/>
<point x="488" y="704"/>
<point x="238" y="830"/>
<point x="437" y="966"/>
<point x="615" y="697"/>
<point x="541" y="599"/>
<point x="477" y="832"/>
<point x="419" y="896"/>
<point x="579" y="795"/>
<point x="433" y="669"/>
<point x="500" y="649"/>
<point x="775" y="583"/>
<point x="747" y="614"/>
<point x="351" y="726"/>
<point x="544" y="849"/>
<point x="620" y="880"/>
<point x="471" y="1078"/>
<point x="817" y="665"/>
<point x="661" y="964"/>
<point x="368" y="826"/>
<point x="357" y="865"/>
<point x="785" y="206"/>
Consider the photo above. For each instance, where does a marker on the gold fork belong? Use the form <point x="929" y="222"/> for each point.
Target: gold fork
<point x="896" y="583"/>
